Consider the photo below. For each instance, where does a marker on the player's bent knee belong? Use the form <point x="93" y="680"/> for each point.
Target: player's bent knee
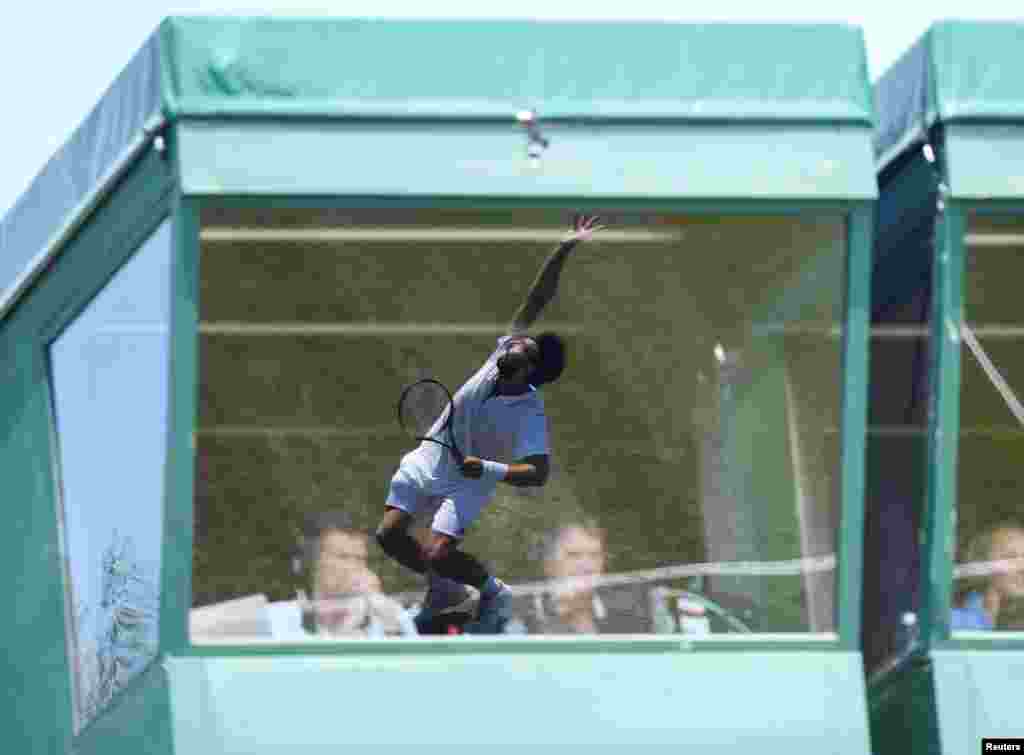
<point x="436" y="552"/>
<point x="388" y="537"/>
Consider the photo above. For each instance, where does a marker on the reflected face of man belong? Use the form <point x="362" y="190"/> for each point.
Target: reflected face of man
<point x="1008" y="544"/>
<point x="579" y="553"/>
<point x="342" y="566"/>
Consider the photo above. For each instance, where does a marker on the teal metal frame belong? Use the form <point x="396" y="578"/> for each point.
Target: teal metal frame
<point x="944" y="425"/>
<point x="176" y="579"/>
<point x="856" y="371"/>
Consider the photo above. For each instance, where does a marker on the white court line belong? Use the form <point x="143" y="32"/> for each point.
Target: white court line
<point x="311" y="431"/>
<point x="991" y="240"/>
<point x="836" y="331"/>
<point x="229" y="328"/>
<point x="246" y="234"/>
<point x="884" y="331"/>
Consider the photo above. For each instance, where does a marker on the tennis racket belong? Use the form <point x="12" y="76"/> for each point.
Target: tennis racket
<point x="426" y="411"/>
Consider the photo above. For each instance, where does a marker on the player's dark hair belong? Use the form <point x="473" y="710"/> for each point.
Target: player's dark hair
<point x="551" y="362"/>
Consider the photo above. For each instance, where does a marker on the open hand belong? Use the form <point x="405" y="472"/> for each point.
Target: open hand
<point x="472" y="467"/>
<point x="583" y="227"/>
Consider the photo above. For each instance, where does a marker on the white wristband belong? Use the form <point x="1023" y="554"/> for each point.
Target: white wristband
<point x="494" y="470"/>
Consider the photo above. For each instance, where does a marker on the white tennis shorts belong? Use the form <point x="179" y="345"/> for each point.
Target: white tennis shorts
<point x="455" y="502"/>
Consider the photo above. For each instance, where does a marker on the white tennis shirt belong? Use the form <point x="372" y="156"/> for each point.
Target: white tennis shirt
<point x="496" y="428"/>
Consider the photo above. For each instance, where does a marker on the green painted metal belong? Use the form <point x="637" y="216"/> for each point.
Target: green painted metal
<point x="939" y="525"/>
<point x="176" y="579"/>
<point x="602" y="161"/>
<point x="393" y="69"/>
<point x="971" y="77"/>
<point x="939" y="522"/>
<point x="36" y="671"/>
<point x="957" y="72"/>
<point x="262" y="704"/>
<point x="985" y="161"/>
<point x="904" y="719"/>
<point x="977" y="695"/>
<point x="33" y="666"/>
<point x="856" y="371"/>
<point x="139" y="720"/>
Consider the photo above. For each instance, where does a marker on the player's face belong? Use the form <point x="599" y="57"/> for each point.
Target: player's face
<point x="523" y="352"/>
<point x="1008" y="544"/>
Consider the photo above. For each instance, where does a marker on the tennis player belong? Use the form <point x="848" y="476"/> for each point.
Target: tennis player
<point x="501" y="428"/>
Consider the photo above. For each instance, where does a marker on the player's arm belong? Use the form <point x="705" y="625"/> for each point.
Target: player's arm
<point x="530" y="471"/>
<point x="546" y="284"/>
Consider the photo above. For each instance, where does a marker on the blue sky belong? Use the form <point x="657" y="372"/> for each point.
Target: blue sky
<point x="58" y="58"/>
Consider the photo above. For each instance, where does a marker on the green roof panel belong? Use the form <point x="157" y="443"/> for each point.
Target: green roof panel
<point x="758" y="101"/>
<point x="958" y="71"/>
<point x="474" y="69"/>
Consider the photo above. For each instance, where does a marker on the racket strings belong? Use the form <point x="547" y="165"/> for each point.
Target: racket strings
<point x="424" y="409"/>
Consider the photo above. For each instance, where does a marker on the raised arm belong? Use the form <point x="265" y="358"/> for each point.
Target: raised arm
<point x="546" y="284"/>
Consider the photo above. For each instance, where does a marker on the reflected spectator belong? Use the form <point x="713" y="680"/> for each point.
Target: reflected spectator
<point x="344" y="593"/>
<point x="337" y="556"/>
<point x="986" y="602"/>
<point x="574" y="557"/>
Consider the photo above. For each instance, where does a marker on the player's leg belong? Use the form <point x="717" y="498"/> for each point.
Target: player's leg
<point x="445" y="558"/>
<point x="447" y="606"/>
<point x="404" y="499"/>
<point x="448" y="596"/>
<point x="393" y="536"/>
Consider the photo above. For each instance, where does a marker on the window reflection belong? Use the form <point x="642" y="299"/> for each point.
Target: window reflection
<point x="989" y="587"/>
<point x="694" y="437"/>
<point x="109" y="376"/>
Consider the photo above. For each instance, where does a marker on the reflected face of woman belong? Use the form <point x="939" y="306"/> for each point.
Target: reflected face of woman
<point x="1008" y="544"/>
<point x="579" y="553"/>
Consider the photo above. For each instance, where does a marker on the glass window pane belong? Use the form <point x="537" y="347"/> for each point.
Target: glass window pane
<point x="109" y="375"/>
<point x="989" y="586"/>
<point x="694" y="438"/>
